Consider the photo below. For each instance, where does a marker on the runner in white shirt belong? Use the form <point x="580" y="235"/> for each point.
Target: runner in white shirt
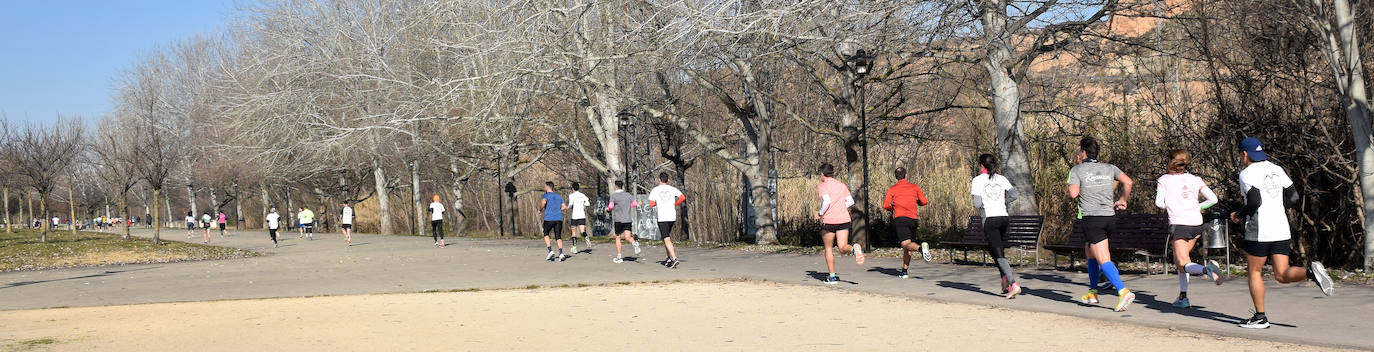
<point x="578" y="202"/>
<point x="190" y="224"/>
<point x="665" y="199"/>
<point x="346" y="223"/>
<point x="273" y="223"/>
<point x="1268" y="191"/>
<point x="436" y="221"/>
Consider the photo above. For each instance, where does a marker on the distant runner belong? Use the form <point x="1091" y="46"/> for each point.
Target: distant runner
<point x="1094" y="183"/>
<point x="665" y="199"/>
<point x="346" y="222"/>
<point x="273" y="223"/>
<point x="1177" y="193"/>
<point x="620" y="206"/>
<point x="190" y="224"/>
<point x="222" y="221"/>
<point x="579" y="202"/>
<point x="991" y="194"/>
<point x="553" y="207"/>
<point x="307" y="219"/>
<point x="436" y="222"/>
<point x="902" y="199"/>
<point x="205" y="221"/>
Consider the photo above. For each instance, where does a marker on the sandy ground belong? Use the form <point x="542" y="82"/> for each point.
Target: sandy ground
<point x="715" y="316"/>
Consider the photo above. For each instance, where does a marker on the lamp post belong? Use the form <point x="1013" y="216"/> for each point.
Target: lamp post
<point x="626" y="120"/>
<point x="860" y="64"/>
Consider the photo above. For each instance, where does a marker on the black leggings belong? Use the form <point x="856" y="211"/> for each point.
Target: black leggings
<point x="436" y="228"/>
<point x="994" y="228"/>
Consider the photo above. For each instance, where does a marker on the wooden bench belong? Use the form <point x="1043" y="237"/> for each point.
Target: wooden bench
<point x="1136" y="234"/>
<point x="1023" y="232"/>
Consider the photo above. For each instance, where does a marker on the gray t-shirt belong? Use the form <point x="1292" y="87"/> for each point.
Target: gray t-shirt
<point x="1096" y="183"/>
<point x="620" y="206"/>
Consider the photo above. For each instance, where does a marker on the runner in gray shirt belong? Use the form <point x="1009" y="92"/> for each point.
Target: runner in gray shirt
<point x="1093" y="183"/>
<point x="620" y="206"/>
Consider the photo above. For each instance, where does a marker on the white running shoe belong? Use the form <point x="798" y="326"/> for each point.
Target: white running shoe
<point x="925" y="252"/>
<point x="550" y="256"/>
<point x="1318" y="273"/>
<point x="618" y="260"/>
<point x="636" y="247"/>
<point x="858" y="254"/>
<point x="574" y="247"/>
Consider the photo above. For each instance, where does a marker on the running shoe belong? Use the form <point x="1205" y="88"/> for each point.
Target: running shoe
<point x="925" y="252"/>
<point x="1014" y="290"/>
<point x="1124" y="299"/>
<point x="858" y="254"/>
<point x="675" y="262"/>
<point x="574" y="247"/>
<point x="1090" y="298"/>
<point x="550" y="256"/>
<point x="1182" y="302"/>
<point x="833" y="279"/>
<point x="666" y="261"/>
<point x="636" y="243"/>
<point x="1213" y="271"/>
<point x="618" y="260"/>
<point x="1257" y="321"/>
<point x="441" y="243"/>
<point x="436" y="243"/>
<point x="903" y="275"/>
<point x="562" y="257"/>
<point x="1317" y="273"/>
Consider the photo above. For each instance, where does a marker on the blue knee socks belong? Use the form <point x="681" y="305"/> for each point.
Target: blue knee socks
<point x="1109" y="268"/>
<point x="1094" y="270"/>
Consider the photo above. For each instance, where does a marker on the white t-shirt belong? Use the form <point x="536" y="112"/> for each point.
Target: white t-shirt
<point x="1269" y="223"/>
<point x="579" y="203"/>
<point x="190" y="219"/>
<point x="272" y="221"/>
<point x="993" y="192"/>
<point x="347" y="216"/>
<point x="666" y="198"/>
<point x="437" y="211"/>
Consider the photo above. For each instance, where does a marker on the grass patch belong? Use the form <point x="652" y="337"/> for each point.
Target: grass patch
<point x="532" y="287"/>
<point x="22" y="251"/>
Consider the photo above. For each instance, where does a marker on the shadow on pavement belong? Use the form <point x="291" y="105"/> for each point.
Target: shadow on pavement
<point x="891" y="272"/>
<point x="106" y="273"/>
<point x="819" y="276"/>
<point x="965" y="287"/>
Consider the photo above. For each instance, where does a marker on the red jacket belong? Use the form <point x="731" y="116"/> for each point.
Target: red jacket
<point x="903" y="198"/>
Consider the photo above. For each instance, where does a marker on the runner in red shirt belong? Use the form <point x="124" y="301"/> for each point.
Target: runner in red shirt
<point x="902" y="200"/>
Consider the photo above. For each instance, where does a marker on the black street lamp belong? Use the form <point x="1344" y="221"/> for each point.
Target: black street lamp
<point x="861" y="63"/>
<point x="626" y="120"/>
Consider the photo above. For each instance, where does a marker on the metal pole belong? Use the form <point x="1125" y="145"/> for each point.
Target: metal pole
<point x="863" y="135"/>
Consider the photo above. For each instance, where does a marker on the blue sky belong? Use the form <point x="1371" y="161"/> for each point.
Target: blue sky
<point x="61" y="56"/>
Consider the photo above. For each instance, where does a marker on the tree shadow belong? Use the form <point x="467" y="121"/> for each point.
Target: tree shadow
<point x="965" y="286"/>
<point x="1055" y="278"/>
<point x="1051" y="294"/>
<point x="819" y="276"/>
<point x="891" y="272"/>
<point x="103" y="274"/>
<point x="1195" y="311"/>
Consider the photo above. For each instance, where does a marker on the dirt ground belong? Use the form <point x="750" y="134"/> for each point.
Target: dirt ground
<point x="693" y="316"/>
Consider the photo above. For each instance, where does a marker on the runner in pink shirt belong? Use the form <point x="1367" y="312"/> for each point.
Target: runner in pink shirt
<point x="834" y="217"/>
<point x="1177" y="193"/>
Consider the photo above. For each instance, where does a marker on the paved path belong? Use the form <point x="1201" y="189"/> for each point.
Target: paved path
<point x="389" y="264"/>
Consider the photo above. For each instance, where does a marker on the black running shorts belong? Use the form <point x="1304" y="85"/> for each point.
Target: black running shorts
<point x="1265" y="249"/>
<point x="665" y="229"/>
<point x="622" y="227"/>
<point x="577" y="222"/>
<point x="221" y="226"/>
<point x="1098" y="228"/>
<point x="834" y="227"/>
<point x="905" y="228"/>
<point x="1185" y="232"/>
<point x="555" y="227"/>
<point x="346" y="226"/>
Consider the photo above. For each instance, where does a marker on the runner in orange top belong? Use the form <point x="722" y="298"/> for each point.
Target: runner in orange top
<point x="902" y="200"/>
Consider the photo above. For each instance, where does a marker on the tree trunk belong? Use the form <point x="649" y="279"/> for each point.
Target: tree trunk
<point x="457" y="188"/>
<point x="1357" y="110"/>
<point x="9" y="226"/>
<point x="1006" y="106"/>
<point x="43" y="211"/>
<point x="71" y="208"/>
<point x="157" y="223"/>
<point x="238" y="208"/>
<point x="166" y="201"/>
<point x="290" y="208"/>
<point x="124" y="209"/>
<point x="383" y="199"/>
<point x="191" y="195"/>
<point x="214" y="204"/>
<point x="416" y="201"/>
<point x="262" y="187"/>
<point x="759" y="198"/>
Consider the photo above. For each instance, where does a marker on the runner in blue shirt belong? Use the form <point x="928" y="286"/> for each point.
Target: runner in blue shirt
<point x="553" y="206"/>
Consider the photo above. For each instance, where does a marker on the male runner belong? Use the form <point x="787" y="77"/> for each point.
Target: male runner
<point x="991" y="194"/>
<point x="665" y="199"/>
<point x="553" y="206"/>
<point x="621" y="206"/>
<point x="273" y="223"/>
<point x="902" y="199"/>
<point x="1268" y="192"/>
<point x="346" y="223"/>
<point x="1177" y="193"/>
<point x="307" y="218"/>
<point x="579" y="202"/>
<point x="834" y="217"/>
<point x="1093" y="183"/>
<point x="436" y="221"/>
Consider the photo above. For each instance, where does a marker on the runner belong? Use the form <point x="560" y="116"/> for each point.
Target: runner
<point x="307" y="219"/>
<point x="222" y="220"/>
<point x="665" y="199"/>
<point x="436" y="222"/>
<point x="834" y="217"/>
<point x="991" y="194"/>
<point x="190" y="224"/>
<point x="902" y="199"/>
<point x="205" y="221"/>
<point x="273" y="220"/>
<point x="579" y="202"/>
<point x="1177" y="193"/>
<point x="346" y="223"/>
<point x="553" y="206"/>
<point x="1094" y="183"/>
<point x="1268" y="192"/>
<point x="620" y="207"/>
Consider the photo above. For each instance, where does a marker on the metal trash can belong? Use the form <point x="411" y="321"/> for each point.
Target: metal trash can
<point x="1216" y="235"/>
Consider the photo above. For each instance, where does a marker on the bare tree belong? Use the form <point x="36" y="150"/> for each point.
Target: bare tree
<point x="42" y="155"/>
